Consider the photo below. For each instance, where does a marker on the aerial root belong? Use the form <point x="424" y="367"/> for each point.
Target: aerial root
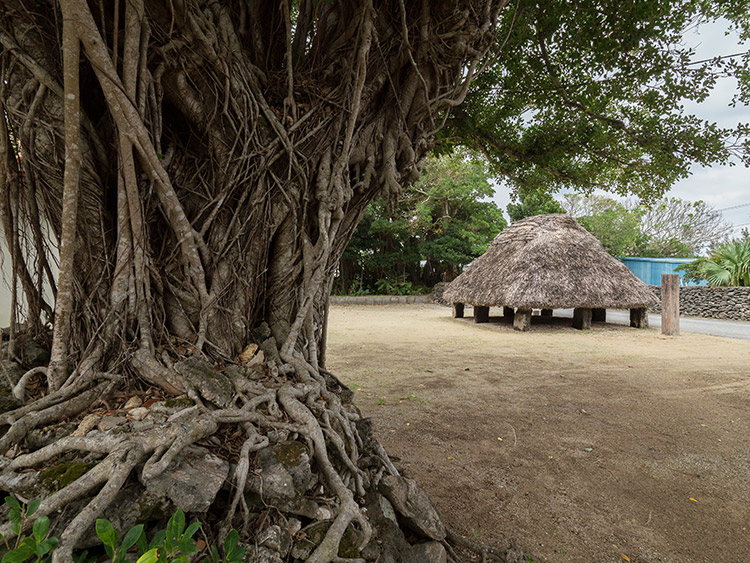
<point x="304" y="411"/>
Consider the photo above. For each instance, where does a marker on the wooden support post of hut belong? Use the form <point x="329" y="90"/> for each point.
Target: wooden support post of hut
<point x="508" y="312"/>
<point x="458" y="310"/>
<point x="481" y="314"/>
<point x="522" y="320"/>
<point x="639" y="317"/>
<point x="546" y="312"/>
<point x="670" y="304"/>
<point x="582" y="318"/>
<point x="599" y="315"/>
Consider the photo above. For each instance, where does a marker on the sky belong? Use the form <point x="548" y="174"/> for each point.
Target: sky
<point x="720" y="186"/>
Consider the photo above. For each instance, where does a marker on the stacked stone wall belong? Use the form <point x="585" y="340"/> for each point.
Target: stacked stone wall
<point x="711" y="302"/>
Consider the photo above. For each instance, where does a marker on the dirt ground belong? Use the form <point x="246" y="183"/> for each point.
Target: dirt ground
<point x="608" y="445"/>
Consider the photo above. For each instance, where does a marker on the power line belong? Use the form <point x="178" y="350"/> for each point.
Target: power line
<point x="734" y="207"/>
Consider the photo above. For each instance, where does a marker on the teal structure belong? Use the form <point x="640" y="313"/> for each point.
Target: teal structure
<point x="649" y="270"/>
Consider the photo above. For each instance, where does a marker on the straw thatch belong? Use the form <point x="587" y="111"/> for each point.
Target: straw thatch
<point x="548" y="262"/>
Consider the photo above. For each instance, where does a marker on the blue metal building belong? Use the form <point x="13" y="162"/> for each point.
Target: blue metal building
<point x="649" y="270"/>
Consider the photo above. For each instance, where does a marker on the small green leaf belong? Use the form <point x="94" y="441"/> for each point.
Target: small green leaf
<point x="191" y="530"/>
<point x="21" y="553"/>
<point x="187" y="545"/>
<point x="176" y="524"/>
<point x="230" y="542"/>
<point x="106" y="532"/>
<point x="41" y="527"/>
<point x="12" y="502"/>
<point x="151" y="556"/>
<point x="158" y="539"/>
<point x="33" y="505"/>
<point x="131" y="538"/>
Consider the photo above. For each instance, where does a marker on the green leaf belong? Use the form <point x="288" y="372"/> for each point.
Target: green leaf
<point x="151" y="556"/>
<point x="191" y="530"/>
<point x="158" y="539"/>
<point x="21" y="553"/>
<point x="132" y="537"/>
<point x="13" y="502"/>
<point x="176" y="524"/>
<point x="106" y="532"/>
<point x="41" y="527"/>
<point x="187" y="545"/>
<point x="230" y="542"/>
<point x="33" y="505"/>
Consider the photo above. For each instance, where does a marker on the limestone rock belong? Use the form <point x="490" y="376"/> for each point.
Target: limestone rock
<point x="192" y="480"/>
<point x="261" y="554"/>
<point x="430" y="552"/>
<point x="211" y="383"/>
<point x="275" y="538"/>
<point x="411" y="502"/>
<point x="284" y="472"/>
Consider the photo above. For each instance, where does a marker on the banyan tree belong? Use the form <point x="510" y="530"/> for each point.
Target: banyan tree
<point x="178" y="181"/>
<point x="549" y="262"/>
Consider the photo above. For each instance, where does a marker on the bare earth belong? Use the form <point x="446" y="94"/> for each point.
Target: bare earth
<point x="608" y="445"/>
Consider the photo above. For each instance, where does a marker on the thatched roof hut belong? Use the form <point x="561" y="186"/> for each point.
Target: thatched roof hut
<point x="549" y="262"/>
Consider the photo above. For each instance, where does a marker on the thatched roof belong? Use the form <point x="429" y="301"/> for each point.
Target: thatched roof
<point x="548" y="262"/>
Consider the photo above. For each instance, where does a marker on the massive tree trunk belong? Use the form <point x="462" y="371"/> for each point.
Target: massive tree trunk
<point x="196" y="168"/>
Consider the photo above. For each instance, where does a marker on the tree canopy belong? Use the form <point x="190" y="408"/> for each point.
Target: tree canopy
<point x="593" y="96"/>
<point x="439" y="224"/>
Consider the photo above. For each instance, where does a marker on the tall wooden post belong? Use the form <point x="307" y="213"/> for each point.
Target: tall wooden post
<point x="522" y="320"/>
<point x="458" y="310"/>
<point x="639" y="317"/>
<point x="670" y="304"/>
<point x="582" y="318"/>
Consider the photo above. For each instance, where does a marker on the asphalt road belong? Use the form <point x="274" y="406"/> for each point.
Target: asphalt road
<point x="713" y="327"/>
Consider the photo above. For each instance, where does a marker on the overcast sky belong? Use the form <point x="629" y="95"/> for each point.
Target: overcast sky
<point x="721" y="186"/>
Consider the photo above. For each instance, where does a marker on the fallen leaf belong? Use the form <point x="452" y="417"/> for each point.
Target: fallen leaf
<point x="450" y="457"/>
<point x="500" y="439"/>
<point x="691" y="498"/>
<point x="625" y="557"/>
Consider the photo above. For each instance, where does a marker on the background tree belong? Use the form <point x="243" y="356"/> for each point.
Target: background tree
<point x="533" y="203"/>
<point x="616" y="227"/>
<point x="668" y="228"/>
<point x="439" y="225"/>
<point x="675" y="227"/>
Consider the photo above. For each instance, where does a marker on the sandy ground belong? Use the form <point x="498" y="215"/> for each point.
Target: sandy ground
<point x="608" y="445"/>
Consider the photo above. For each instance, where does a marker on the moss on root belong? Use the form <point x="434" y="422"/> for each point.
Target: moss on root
<point x="63" y="474"/>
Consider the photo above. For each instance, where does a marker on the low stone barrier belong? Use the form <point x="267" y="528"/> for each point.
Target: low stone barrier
<point x="378" y="299"/>
<point x="711" y="302"/>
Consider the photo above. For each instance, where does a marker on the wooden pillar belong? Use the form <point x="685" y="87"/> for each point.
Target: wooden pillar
<point x="481" y="314"/>
<point x="508" y="312"/>
<point x="546" y="312"/>
<point x="639" y="317"/>
<point x="458" y="310"/>
<point x="582" y="319"/>
<point x="670" y="304"/>
<point x="522" y="320"/>
<point x="599" y="315"/>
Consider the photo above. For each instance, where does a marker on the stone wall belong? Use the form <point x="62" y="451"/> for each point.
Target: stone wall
<point x="711" y="302"/>
<point x="378" y="299"/>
